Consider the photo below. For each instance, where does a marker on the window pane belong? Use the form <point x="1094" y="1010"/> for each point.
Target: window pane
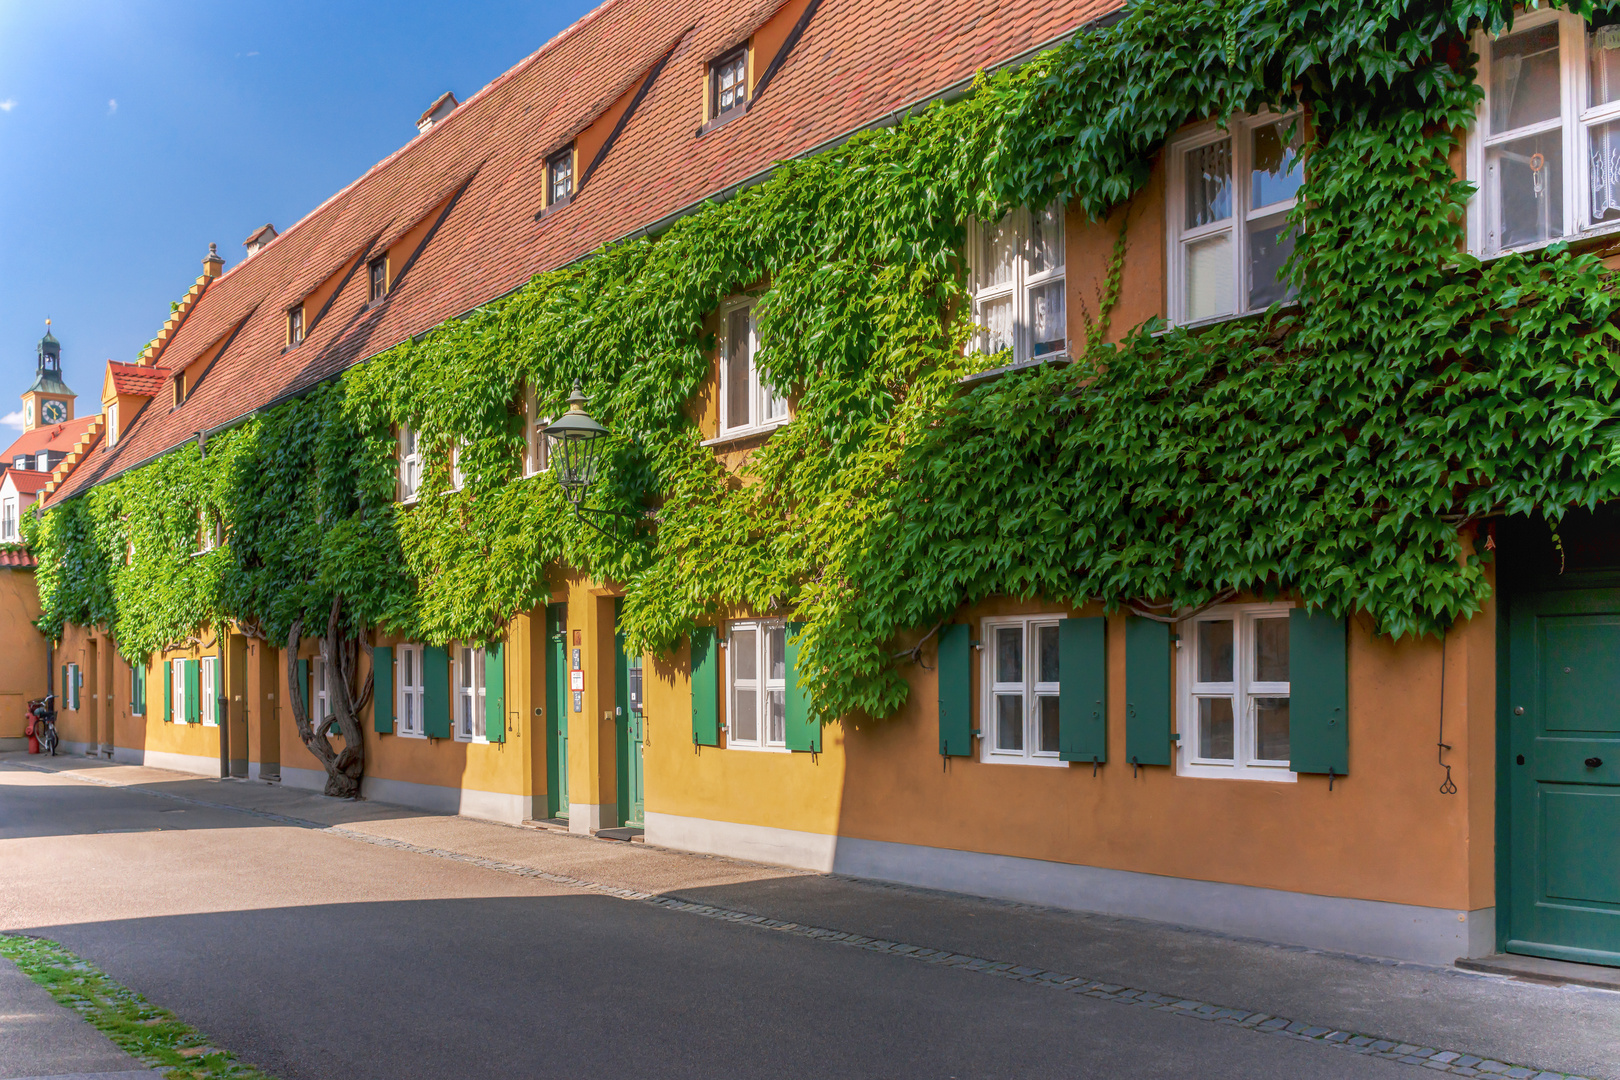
<point x="1010" y="722"/>
<point x="1209" y="284"/>
<point x="996" y="316"/>
<point x="1215" y="651"/>
<point x="1529" y="188"/>
<point x="776" y="643"/>
<point x="1276" y="168"/>
<point x="1046" y="239"/>
<point x="745" y="717"/>
<point x="1524" y="78"/>
<point x="737" y="368"/>
<point x="1603" y="48"/>
<point x="1271" y="650"/>
<point x="1047" y="327"/>
<point x="778" y="704"/>
<point x="1215" y="728"/>
<point x="1046" y="640"/>
<point x="1047" y="714"/>
<point x="1605" y="149"/>
<point x="1010" y="654"/>
<point x="997" y="249"/>
<point x="1209" y="183"/>
<point x="1270" y="244"/>
<point x="744" y="656"/>
<point x="1271" y="728"/>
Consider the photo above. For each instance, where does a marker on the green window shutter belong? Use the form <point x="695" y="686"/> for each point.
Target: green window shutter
<point x="955" y="678"/>
<point x="382" y="690"/>
<point x="168" y="691"/>
<point x="1319" y="695"/>
<point x="494" y="693"/>
<point x="803" y="729"/>
<point x="435" y="692"/>
<point x="63" y="698"/>
<point x="193" y="693"/>
<point x="1147" y="691"/>
<point x="303" y="692"/>
<point x="137" y="690"/>
<point x="1082" y="690"/>
<point x="705" y="687"/>
<point x="78" y="685"/>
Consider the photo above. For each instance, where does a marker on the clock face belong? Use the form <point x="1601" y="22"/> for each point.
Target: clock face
<point x="54" y="412"/>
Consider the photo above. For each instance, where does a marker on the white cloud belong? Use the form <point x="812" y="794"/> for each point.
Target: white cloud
<point x="12" y="419"/>
<point x="8" y="104"/>
<point x="112" y="106"/>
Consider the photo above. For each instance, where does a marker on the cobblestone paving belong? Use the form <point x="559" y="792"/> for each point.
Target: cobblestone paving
<point x="1436" y="1059"/>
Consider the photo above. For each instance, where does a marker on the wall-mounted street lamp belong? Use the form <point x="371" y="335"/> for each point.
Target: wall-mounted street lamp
<point x="576" y="444"/>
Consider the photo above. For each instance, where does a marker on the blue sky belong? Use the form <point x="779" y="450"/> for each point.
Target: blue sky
<point x="134" y="133"/>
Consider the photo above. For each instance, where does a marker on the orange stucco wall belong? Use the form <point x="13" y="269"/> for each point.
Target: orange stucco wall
<point x="23" y="671"/>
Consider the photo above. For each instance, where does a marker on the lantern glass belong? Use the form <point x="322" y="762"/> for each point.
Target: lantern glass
<point x="574" y="440"/>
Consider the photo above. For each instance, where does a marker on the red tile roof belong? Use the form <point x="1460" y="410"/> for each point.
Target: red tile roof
<point x="26" y="481"/>
<point x="137" y="380"/>
<point x="57" y="437"/>
<point x="17" y="560"/>
<point x="857" y="62"/>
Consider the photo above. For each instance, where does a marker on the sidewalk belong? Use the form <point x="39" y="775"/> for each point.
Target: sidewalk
<point x="40" y="1040"/>
<point x="1570" y="1029"/>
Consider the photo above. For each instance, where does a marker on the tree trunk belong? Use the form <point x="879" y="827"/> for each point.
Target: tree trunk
<point x="345" y="701"/>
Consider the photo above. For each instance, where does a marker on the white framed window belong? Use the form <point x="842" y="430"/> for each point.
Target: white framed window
<point x="208" y="687"/>
<point x="458" y="478"/>
<point x="320" y="700"/>
<point x="1017" y="277"/>
<point x="42" y="462"/>
<point x="409" y="692"/>
<point x="1018" y="711"/>
<point x="537" y="446"/>
<point x="177" y="692"/>
<point x="70" y="692"/>
<point x="10" y="531"/>
<point x="1233" y="666"/>
<point x="756" y="685"/>
<point x="1230" y="192"/>
<point x="410" y="463"/>
<point x="210" y="531"/>
<point x="1545" y="154"/>
<point x="748" y="402"/>
<point x="469" y="694"/>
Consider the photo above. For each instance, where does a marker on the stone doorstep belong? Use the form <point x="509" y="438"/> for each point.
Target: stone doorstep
<point x="1537" y="969"/>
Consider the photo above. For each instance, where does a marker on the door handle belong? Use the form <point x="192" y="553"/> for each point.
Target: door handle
<point x="1593" y="762"/>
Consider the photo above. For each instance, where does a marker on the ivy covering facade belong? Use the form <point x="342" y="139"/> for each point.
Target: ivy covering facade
<point x="1339" y="449"/>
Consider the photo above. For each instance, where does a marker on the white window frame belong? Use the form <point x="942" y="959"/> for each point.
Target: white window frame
<point x="410" y="464"/>
<point x="1574" y="120"/>
<point x="1178" y="237"/>
<point x="177" y="691"/>
<point x="469" y="690"/>
<point x="42" y="462"/>
<point x="1243" y="689"/>
<point x="410" y="694"/>
<point x="208" y="688"/>
<point x="1032" y="689"/>
<point x="70" y="692"/>
<point x="1018" y="288"/>
<point x="10" y="523"/>
<point x="458" y="478"/>
<point x="112" y="425"/>
<point x="767" y="410"/>
<point x="319" y="698"/>
<point x="536" y="445"/>
<point x="762" y="685"/>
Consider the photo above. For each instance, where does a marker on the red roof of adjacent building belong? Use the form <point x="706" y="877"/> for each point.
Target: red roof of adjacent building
<point x="135" y="379"/>
<point x="17" y="560"/>
<point x="856" y="62"/>
<point x="56" y="437"/>
<point x="26" y="481"/>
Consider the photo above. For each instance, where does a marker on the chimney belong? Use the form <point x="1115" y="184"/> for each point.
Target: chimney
<point x="437" y="111"/>
<point x="259" y="239"/>
<point x="213" y="265"/>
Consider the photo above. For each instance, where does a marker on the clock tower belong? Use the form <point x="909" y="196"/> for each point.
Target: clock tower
<point x="48" y="401"/>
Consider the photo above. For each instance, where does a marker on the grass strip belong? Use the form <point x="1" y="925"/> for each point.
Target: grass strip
<point x="152" y="1035"/>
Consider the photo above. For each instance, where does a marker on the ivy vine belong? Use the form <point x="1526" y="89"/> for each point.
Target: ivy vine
<point x="1339" y="448"/>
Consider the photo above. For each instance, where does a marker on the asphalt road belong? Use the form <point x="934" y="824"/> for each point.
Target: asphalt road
<point x="313" y="957"/>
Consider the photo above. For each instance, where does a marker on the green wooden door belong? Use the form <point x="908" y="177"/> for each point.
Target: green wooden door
<point x="629" y="724"/>
<point x="557" y="710"/>
<point x="1563" y="770"/>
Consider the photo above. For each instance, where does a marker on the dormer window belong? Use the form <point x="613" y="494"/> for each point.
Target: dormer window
<point x="377" y="277"/>
<point x="20" y="461"/>
<point x="112" y="425"/>
<point x="728" y="83"/>
<point x="43" y="461"/>
<point x="560" y="176"/>
<point x="179" y="389"/>
<point x="295" y="326"/>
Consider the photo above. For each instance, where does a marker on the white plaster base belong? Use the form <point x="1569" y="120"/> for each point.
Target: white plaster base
<point x="10" y="745"/>
<point x="256" y="772"/>
<point x="1339" y="924"/>
<point x="159" y="759"/>
<point x="491" y="805"/>
<point x="585" y="818"/>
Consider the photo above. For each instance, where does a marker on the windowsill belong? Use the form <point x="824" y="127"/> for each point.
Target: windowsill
<point x="529" y="474"/>
<point x="993" y="758"/>
<point x="1275" y="774"/>
<point x="410" y="734"/>
<point x="1217" y="320"/>
<point x="723" y="119"/>
<point x="547" y="211"/>
<point x="1579" y="242"/>
<point x="741" y="434"/>
<point x="756" y="749"/>
<point x="408" y="502"/>
<point x="472" y="740"/>
<point x="1060" y="359"/>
